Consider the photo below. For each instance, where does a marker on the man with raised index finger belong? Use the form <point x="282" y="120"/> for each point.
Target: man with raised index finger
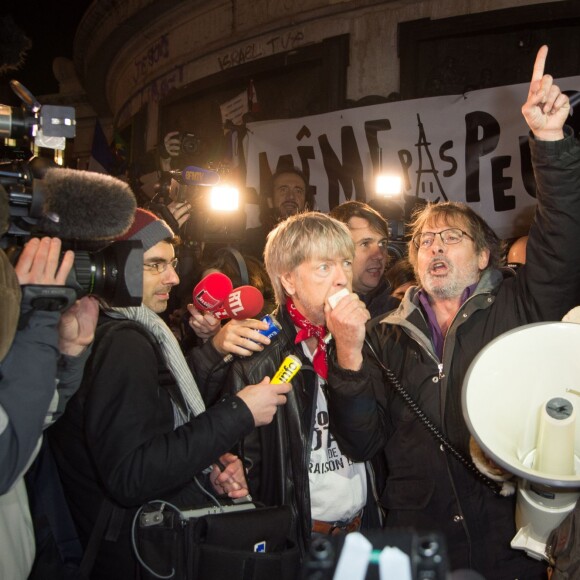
<point x="462" y="302"/>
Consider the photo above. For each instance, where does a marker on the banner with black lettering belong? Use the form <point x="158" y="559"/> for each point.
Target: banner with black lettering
<point x="471" y="148"/>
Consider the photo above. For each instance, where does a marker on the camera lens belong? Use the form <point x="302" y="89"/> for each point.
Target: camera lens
<point x="189" y="143"/>
<point x="115" y="273"/>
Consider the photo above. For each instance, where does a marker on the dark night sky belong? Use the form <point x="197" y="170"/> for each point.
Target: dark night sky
<point x="51" y="27"/>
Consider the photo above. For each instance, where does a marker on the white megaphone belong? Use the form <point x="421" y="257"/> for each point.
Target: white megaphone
<point x="519" y="400"/>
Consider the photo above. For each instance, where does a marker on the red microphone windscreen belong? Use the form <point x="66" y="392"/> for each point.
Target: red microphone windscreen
<point x="244" y="302"/>
<point x="211" y="292"/>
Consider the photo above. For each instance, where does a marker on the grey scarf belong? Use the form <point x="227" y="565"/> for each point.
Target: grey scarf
<point x="171" y="352"/>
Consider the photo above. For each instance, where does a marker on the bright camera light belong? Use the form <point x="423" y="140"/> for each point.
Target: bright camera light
<point x="224" y="198"/>
<point x="388" y="185"/>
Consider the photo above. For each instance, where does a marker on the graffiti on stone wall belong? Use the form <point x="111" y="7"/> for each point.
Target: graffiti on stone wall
<point x="151" y="57"/>
<point x="255" y="50"/>
<point x="152" y="92"/>
<point x="160" y="87"/>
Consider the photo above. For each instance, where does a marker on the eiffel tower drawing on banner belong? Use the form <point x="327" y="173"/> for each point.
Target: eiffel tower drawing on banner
<point x="428" y="183"/>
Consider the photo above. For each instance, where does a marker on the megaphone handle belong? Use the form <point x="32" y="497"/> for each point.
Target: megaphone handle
<point x="431" y="427"/>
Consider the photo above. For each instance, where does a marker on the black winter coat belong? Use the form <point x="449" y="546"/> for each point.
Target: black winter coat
<point x="279" y="454"/>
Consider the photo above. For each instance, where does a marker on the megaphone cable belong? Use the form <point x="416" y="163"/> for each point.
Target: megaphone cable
<point x="392" y="379"/>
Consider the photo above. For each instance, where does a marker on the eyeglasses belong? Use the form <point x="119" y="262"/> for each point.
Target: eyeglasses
<point x="160" y="267"/>
<point x="286" y="189"/>
<point x="448" y="237"/>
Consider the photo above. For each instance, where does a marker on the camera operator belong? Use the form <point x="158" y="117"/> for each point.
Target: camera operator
<point x="155" y="187"/>
<point x="42" y="357"/>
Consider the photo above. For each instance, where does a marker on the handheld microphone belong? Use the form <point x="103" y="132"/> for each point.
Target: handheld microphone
<point x="193" y="175"/>
<point x="242" y="302"/>
<point x="211" y="292"/>
<point x="286" y="371"/>
<point x="84" y="205"/>
<point x="274" y="328"/>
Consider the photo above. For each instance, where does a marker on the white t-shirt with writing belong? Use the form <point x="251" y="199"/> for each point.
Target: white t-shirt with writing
<point x="338" y="489"/>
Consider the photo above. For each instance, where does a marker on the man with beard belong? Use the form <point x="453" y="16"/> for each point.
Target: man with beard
<point x="461" y="304"/>
<point x="370" y="233"/>
<point x="288" y="195"/>
<point x="296" y="460"/>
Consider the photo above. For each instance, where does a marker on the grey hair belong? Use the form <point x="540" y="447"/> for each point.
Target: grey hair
<point x="302" y="237"/>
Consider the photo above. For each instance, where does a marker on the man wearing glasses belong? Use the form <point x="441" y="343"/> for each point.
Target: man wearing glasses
<point x="137" y="429"/>
<point x="461" y="304"/>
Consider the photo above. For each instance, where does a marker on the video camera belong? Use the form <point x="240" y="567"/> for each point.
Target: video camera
<point x="84" y="209"/>
<point x="217" y="214"/>
<point x="49" y="125"/>
<point x="394" y="214"/>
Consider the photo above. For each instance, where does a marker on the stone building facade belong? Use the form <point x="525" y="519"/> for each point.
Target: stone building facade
<point x="149" y="66"/>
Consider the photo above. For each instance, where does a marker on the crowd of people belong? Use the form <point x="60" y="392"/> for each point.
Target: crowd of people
<point x="166" y="402"/>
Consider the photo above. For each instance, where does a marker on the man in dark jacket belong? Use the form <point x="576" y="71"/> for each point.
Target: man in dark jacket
<point x="137" y="430"/>
<point x="461" y="304"/>
<point x="296" y="460"/>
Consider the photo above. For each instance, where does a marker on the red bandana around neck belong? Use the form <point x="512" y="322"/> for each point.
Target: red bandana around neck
<point x="309" y="330"/>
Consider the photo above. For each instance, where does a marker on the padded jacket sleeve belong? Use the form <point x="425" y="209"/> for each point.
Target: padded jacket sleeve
<point x="549" y="284"/>
<point x="354" y="409"/>
<point x="27" y="386"/>
<point x="129" y="425"/>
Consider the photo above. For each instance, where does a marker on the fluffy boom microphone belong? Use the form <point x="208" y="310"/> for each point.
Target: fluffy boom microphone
<point x="211" y="292"/>
<point x="243" y="302"/>
<point x="84" y="205"/>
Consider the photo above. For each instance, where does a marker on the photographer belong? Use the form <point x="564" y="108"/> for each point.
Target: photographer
<point x="41" y="363"/>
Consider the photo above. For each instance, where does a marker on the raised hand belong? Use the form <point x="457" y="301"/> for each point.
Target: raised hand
<point x="546" y="108"/>
<point x="180" y="210"/>
<point x="204" y="325"/>
<point x="241" y="337"/>
<point x="39" y="263"/>
<point x="172" y="143"/>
